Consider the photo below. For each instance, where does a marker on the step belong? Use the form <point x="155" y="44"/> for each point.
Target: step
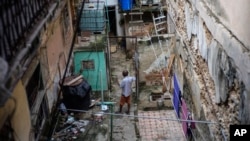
<point x="161" y="17"/>
<point x="132" y="22"/>
<point x="160" y="29"/>
<point x="159" y="23"/>
<point x="135" y="13"/>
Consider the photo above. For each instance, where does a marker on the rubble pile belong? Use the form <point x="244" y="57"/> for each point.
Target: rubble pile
<point x="69" y="128"/>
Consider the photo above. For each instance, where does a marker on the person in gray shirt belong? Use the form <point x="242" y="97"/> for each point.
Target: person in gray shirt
<point x="126" y="87"/>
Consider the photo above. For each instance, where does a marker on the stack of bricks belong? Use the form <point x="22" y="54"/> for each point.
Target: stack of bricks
<point x="153" y="78"/>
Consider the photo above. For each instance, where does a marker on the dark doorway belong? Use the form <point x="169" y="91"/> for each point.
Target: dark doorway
<point x="35" y="84"/>
<point x="112" y="20"/>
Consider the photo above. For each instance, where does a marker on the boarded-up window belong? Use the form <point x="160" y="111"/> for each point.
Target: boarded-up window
<point x="88" y="64"/>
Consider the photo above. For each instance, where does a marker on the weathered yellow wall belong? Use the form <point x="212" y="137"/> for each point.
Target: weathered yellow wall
<point x="56" y="62"/>
<point x="55" y="45"/>
<point x="17" y="106"/>
<point x="6" y="110"/>
<point x="21" y="118"/>
<point x="57" y="49"/>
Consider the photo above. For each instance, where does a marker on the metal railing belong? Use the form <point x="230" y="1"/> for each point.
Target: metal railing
<point x="17" y="18"/>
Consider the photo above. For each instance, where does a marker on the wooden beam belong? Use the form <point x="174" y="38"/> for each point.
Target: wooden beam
<point x="170" y="63"/>
<point x="181" y="67"/>
<point x="167" y="72"/>
<point x="73" y="80"/>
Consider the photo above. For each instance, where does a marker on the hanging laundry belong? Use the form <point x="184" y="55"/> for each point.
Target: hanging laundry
<point x="176" y="96"/>
<point x="190" y="126"/>
<point x="184" y="113"/>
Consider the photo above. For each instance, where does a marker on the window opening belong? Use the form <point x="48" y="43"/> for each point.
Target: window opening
<point x="88" y="64"/>
<point x="35" y="84"/>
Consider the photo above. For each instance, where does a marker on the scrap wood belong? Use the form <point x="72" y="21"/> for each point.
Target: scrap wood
<point x="143" y="30"/>
<point x="59" y="135"/>
<point x="167" y="72"/>
<point x="171" y="59"/>
<point x="181" y="67"/>
<point x="140" y="34"/>
<point x="170" y="63"/>
<point x="96" y="101"/>
<point x="61" y="132"/>
<point x="149" y="27"/>
<point x="73" y="80"/>
<point x="149" y="76"/>
<point x="154" y="75"/>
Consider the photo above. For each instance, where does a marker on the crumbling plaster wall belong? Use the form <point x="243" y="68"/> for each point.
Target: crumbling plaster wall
<point x="217" y="63"/>
<point x="228" y="59"/>
<point x="234" y="16"/>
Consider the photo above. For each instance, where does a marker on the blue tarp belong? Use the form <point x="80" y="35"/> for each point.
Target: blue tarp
<point x="176" y="96"/>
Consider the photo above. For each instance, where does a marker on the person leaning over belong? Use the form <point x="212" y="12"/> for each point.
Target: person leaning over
<point x="126" y="87"/>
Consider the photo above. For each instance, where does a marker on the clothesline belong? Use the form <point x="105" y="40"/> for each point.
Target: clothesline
<point x="148" y="117"/>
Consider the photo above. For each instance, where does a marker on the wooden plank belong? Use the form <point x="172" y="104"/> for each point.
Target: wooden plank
<point x="135" y="13"/>
<point x="167" y="72"/>
<point x="171" y="59"/>
<point x="135" y="22"/>
<point x="93" y="103"/>
<point x="74" y="80"/>
<point x="181" y="67"/>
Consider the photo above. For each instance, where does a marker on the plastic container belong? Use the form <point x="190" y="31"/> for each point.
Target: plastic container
<point x="126" y="5"/>
<point x="93" y="17"/>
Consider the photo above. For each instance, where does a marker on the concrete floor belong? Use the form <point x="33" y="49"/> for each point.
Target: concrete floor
<point x="124" y="125"/>
<point x="144" y="126"/>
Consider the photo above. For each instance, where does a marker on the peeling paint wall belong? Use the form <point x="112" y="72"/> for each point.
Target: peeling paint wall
<point x="57" y="40"/>
<point x="54" y="42"/>
<point x="234" y="16"/>
<point x="217" y="60"/>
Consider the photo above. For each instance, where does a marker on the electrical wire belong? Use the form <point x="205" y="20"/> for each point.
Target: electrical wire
<point x="190" y="120"/>
<point x="156" y="57"/>
<point x="175" y="26"/>
<point x="54" y="117"/>
<point x="98" y="68"/>
<point x="163" y="76"/>
<point x="146" y="117"/>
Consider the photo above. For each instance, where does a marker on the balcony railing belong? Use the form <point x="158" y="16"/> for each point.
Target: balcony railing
<point x="17" y="18"/>
<point x="20" y="25"/>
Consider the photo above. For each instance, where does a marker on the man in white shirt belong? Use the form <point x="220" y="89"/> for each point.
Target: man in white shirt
<point x="126" y="86"/>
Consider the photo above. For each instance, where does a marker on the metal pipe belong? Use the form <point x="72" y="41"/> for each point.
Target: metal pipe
<point x="137" y="70"/>
<point x="148" y="117"/>
<point x="101" y="86"/>
<point x="55" y="116"/>
<point x="111" y="122"/>
<point x="111" y="104"/>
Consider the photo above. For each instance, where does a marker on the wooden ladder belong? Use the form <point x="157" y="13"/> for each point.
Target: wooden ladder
<point x="159" y="21"/>
<point x="136" y="13"/>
